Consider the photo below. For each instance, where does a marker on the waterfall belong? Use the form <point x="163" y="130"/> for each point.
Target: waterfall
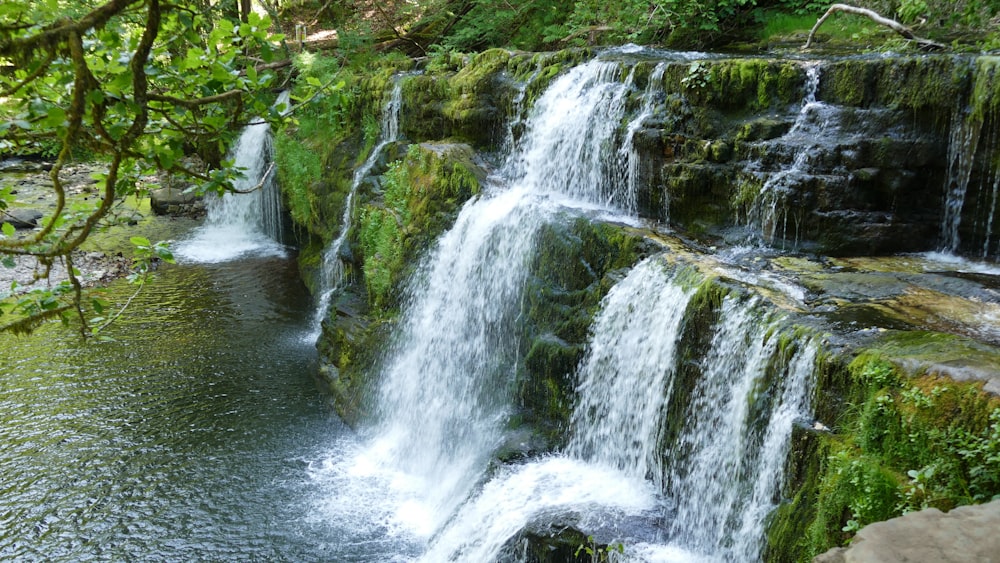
<point x="961" y="156"/>
<point x="766" y="217"/>
<point x="444" y="395"/>
<point x="248" y="219"/>
<point x="728" y="460"/>
<point x="331" y="268"/>
<point x="721" y="476"/>
<point x="627" y="376"/>
<point x="627" y="154"/>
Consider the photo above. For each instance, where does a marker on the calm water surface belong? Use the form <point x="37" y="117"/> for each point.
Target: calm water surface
<point x="190" y="438"/>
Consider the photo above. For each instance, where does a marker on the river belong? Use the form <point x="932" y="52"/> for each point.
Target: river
<point x="188" y="438"/>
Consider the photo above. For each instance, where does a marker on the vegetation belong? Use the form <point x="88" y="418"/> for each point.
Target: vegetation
<point x="903" y="443"/>
<point x="136" y="83"/>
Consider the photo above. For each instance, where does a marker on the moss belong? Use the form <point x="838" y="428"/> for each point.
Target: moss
<point x="916" y="83"/>
<point x="421" y="195"/>
<point x="743" y="84"/>
<point x="906" y="439"/>
<point x="986" y="88"/>
<point x="299" y="172"/>
<point x="574" y="267"/>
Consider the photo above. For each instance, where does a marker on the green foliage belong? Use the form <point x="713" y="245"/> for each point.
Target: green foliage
<point x="137" y="84"/>
<point x="420" y="196"/>
<point x="299" y="171"/>
<point x="904" y="444"/>
<point x="598" y="553"/>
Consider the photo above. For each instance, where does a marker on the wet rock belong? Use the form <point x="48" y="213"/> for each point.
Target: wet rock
<point x="22" y="218"/>
<point x="967" y="533"/>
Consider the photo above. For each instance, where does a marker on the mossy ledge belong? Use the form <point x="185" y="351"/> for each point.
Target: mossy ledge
<point x="905" y="435"/>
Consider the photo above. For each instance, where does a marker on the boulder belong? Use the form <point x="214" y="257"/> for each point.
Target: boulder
<point x="174" y="201"/>
<point x="968" y="533"/>
<point x="21" y="218"/>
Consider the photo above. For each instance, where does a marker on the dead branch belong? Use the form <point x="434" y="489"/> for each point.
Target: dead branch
<point x="894" y="25"/>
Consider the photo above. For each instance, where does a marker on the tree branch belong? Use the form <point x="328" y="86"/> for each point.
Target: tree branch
<point x="899" y="28"/>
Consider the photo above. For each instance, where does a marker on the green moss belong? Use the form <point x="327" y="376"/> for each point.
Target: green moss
<point x="747" y="84"/>
<point x="917" y="83"/>
<point x="986" y="88"/>
<point x="573" y="268"/>
<point x="906" y="439"/>
<point x="420" y="196"/>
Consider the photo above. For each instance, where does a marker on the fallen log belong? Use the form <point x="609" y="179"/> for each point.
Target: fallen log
<point x="894" y="25"/>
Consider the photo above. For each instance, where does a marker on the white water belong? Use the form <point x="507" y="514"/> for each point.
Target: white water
<point x="722" y="475"/>
<point x="444" y="396"/>
<point x="331" y="275"/>
<point x="727" y="464"/>
<point x="418" y="477"/>
<point x="961" y="156"/>
<point x="247" y="221"/>
<point x="627" y="154"/>
<point x="628" y="374"/>
<point x="768" y="216"/>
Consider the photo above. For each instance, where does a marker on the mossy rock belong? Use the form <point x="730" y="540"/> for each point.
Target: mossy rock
<point x="419" y="199"/>
<point x="575" y="265"/>
<point x="905" y="437"/>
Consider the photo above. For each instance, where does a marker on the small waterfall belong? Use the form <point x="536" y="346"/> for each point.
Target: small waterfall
<point x="627" y="154"/>
<point x="961" y="156"/>
<point x="331" y="274"/>
<point x="445" y="389"/>
<point x="727" y="464"/>
<point x="767" y="216"/>
<point x="249" y="219"/>
<point x="627" y="376"/>
<point x="972" y="183"/>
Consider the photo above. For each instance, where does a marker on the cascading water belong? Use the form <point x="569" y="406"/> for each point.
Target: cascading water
<point x="727" y="462"/>
<point x="961" y="157"/>
<point x="628" y="374"/>
<point x="249" y="219"/>
<point x="332" y="269"/>
<point x="444" y="394"/>
<point x="721" y="476"/>
<point x="627" y="154"/>
<point x="767" y="217"/>
<point x="444" y="398"/>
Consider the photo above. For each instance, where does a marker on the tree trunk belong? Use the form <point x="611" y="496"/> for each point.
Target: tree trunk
<point x="244" y="10"/>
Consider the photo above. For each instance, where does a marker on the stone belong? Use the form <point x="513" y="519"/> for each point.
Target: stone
<point x="21" y="218"/>
<point x="170" y="200"/>
<point x="968" y="533"/>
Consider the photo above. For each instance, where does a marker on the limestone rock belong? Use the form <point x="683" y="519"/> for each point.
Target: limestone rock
<point x="968" y="533"/>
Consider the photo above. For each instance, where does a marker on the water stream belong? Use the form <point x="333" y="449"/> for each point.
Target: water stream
<point x="767" y="217"/>
<point x="248" y="220"/>
<point x="332" y="268"/>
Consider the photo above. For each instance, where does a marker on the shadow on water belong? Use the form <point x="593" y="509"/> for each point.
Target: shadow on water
<point x="188" y="438"/>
